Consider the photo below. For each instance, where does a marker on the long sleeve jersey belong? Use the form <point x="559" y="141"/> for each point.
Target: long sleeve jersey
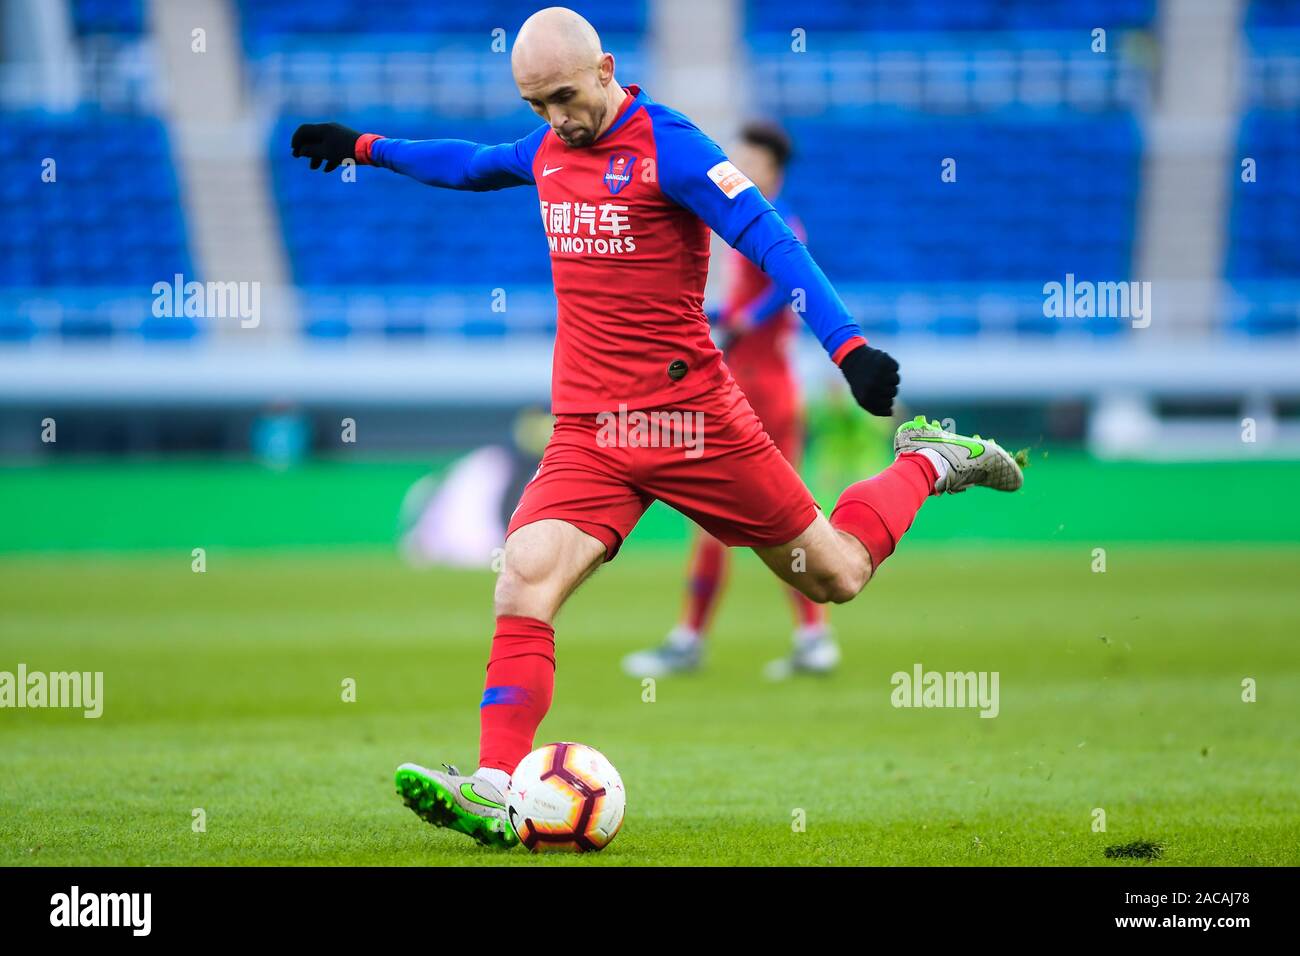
<point x="627" y="222"/>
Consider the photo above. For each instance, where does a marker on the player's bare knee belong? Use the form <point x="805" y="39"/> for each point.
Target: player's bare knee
<point x="518" y="597"/>
<point x="845" y="583"/>
<point x="842" y="589"/>
<point x="524" y="589"/>
<point x="819" y="589"/>
<point x="817" y="592"/>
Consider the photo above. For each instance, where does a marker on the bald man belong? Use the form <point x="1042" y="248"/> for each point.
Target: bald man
<point x="645" y="408"/>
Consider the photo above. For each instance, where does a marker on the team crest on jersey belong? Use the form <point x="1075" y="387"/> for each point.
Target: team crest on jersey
<point x="619" y="172"/>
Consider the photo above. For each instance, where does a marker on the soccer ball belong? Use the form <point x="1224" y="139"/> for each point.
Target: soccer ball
<point x="565" y="797"/>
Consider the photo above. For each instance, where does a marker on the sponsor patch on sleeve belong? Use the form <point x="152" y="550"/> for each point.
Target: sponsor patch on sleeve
<point x="729" y="179"/>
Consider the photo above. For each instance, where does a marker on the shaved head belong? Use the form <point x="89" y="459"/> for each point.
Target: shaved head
<point x="552" y="42"/>
<point x="565" y="76"/>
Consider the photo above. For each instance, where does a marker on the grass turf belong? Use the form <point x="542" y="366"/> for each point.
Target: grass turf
<point x="1119" y="691"/>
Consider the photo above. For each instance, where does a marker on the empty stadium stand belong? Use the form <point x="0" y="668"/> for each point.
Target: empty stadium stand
<point x="92" y="221"/>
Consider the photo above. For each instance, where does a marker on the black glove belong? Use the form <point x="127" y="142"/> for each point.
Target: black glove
<point x="328" y="143"/>
<point x="873" y="378"/>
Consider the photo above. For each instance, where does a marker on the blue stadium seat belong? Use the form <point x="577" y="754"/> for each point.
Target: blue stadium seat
<point x="1264" y="230"/>
<point x="271" y="17"/>
<point x="389" y="231"/>
<point x="780" y="16"/>
<point x="1265" y="225"/>
<point x="95" y="17"/>
<point x="1273" y="13"/>
<point x="110" y="219"/>
<point x="1035" y="197"/>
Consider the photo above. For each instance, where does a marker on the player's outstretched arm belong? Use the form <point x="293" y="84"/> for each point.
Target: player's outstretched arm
<point x="450" y="163"/>
<point x="695" y="173"/>
<point x="766" y="306"/>
<point x="872" y="374"/>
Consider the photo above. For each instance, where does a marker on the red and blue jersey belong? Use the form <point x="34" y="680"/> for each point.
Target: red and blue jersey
<point x="627" y="221"/>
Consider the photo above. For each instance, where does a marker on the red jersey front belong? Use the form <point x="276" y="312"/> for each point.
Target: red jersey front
<point x="629" y="261"/>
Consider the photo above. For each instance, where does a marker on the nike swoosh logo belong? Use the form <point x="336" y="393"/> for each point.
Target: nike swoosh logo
<point x="547" y="172"/>
<point x="467" y="791"/>
<point x="974" y="447"/>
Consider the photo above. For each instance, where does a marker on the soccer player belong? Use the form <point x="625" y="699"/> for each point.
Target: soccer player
<point x="628" y="191"/>
<point x="755" y="325"/>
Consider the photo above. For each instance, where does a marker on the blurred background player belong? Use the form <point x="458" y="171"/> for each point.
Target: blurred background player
<point x="754" y="328"/>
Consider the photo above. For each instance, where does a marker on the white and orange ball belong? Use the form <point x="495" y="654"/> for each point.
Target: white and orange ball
<point x="565" y="796"/>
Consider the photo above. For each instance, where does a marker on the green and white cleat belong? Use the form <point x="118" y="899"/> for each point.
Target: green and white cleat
<point x="971" y="461"/>
<point x="469" y="805"/>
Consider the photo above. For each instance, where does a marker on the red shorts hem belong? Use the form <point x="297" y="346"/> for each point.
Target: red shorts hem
<point x="794" y="525"/>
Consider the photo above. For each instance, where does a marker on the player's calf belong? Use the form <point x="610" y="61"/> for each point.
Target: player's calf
<point x="839" y="585"/>
<point x="823" y="564"/>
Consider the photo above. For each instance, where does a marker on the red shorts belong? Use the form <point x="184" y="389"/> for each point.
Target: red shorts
<point x="713" y="462"/>
<point x="774" y="395"/>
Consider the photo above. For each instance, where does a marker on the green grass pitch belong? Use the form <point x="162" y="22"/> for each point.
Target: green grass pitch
<point x="1120" y="691"/>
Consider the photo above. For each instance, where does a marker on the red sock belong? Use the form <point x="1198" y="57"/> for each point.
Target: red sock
<point x="877" y="511"/>
<point x="807" y="612"/>
<point x="708" y="568"/>
<point x="517" y="694"/>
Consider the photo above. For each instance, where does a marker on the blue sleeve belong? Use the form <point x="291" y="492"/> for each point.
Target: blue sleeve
<point x="695" y="173"/>
<point x="769" y="243"/>
<point x="767" y="307"/>
<point x="460" y="164"/>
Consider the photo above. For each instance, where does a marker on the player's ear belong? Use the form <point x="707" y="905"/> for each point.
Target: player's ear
<point x="605" y="69"/>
